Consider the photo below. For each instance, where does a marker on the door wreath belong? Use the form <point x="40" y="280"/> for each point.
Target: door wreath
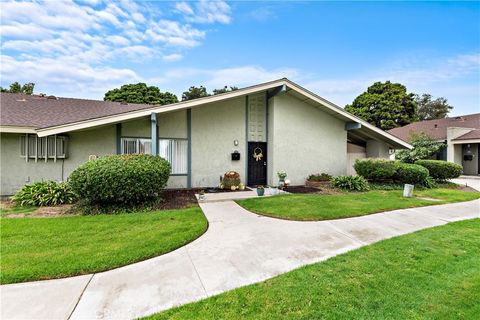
<point x="257" y="154"/>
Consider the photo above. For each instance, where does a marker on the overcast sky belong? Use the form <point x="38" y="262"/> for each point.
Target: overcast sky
<point x="336" y="49"/>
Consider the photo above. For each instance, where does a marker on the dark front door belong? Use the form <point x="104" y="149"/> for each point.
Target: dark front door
<point x="257" y="163"/>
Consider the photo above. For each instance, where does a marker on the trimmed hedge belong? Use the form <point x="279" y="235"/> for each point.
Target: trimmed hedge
<point x="350" y="183"/>
<point x="441" y="170"/>
<point x="120" y="179"/>
<point x="411" y="173"/>
<point x="44" y="193"/>
<point x="376" y="169"/>
<point x="381" y="170"/>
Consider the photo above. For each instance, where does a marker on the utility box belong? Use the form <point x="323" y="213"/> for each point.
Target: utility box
<point x="408" y="190"/>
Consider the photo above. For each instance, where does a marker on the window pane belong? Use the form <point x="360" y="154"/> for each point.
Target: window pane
<point x="175" y="152"/>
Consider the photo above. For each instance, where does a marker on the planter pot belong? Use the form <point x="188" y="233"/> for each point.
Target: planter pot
<point x="260" y="192"/>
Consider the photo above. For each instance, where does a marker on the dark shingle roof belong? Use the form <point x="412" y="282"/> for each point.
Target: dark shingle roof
<point x="42" y="112"/>
<point x="437" y="129"/>
<point x="474" y="134"/>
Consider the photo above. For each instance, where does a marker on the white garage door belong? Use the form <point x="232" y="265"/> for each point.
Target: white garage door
<point x="354" y="152"/>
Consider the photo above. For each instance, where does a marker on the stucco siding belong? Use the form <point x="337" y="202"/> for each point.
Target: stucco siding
<point x="377" y="149"/>
<point x="16" y="172"/>
<point x="139" y="128"/>
<point x="214" y="128"/>
<point x="306" y="140"/>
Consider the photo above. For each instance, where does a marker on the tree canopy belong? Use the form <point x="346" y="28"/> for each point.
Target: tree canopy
<point x="224" y="90"/>
<point x="194" y="93"/>
<point x="424" y="148"/>
<point x="16" y="87"/>
<point x="429" y="109"/>
<point x="386" y="105"/>
<point x="140" y="93"/>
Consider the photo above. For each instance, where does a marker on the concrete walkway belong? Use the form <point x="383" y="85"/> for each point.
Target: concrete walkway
<point x="239" y="248"/>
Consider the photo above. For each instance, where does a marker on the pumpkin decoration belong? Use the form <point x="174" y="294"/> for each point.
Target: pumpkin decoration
<point x="231" y="179"/>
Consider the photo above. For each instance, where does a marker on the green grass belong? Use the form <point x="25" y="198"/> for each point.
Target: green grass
<point x="430" y="274"/>
<point x="17" y="210"/>
<point x="44" y="248"/>
<point x="326" y="207"/>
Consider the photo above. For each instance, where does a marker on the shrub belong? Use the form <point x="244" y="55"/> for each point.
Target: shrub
<point x="350" y="183"/>
<point x="424" y="147"/>
<point x="441" y="170"/>
<point x="319" y="177"/>
<point x="375" y="169"/>
<point x="45" y="193"/>
<point x="231" y="178"/>
<point x="411" y="173"/>
<point x="120" y="179"/>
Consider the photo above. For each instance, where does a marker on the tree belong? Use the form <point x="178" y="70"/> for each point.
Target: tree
<point x="16" y="87"/>
<point x="429" y="109"/>
<point x="424" y="148"/>
<point x="140" y="93"/>
<point x="224" y="90"/>
<point x="195" y="93"/>
<point x="386" y="105"/>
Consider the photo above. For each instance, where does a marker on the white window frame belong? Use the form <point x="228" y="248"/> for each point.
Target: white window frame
<point x="50" y="147"/>
<point x="174" y="150"/>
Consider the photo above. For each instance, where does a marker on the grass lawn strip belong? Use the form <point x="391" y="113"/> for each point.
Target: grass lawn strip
<point x="311" y="207"/>
<point x="45" y="248"/>
<point x="429" y="274"/>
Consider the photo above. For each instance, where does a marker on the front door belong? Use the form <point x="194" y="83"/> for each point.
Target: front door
<point x="257" y="163"/>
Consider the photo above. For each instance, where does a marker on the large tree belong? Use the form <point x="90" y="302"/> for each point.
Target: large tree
<point x="16" y="87"/>
<point x="429" y="109"/>
<point x="140" y="93"/>
<point x="195" y="93"/>
<point x="386" y="105"/>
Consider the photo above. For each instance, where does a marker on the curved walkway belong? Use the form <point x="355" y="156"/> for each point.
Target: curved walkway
<point x="239" y="248"/>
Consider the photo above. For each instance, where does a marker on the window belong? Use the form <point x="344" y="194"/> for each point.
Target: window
<point x="51" y="147"/>
<point x="135" y="145"/>
<point x="175" y="152"/>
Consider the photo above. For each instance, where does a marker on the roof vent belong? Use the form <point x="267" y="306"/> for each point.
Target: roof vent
<point x="459" y="118"/>
<point x="435" y="125"/>
<point x="52" y="98"/>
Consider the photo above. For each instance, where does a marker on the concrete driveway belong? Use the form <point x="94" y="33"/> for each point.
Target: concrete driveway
<point x="471" y="181"/>
<point x="239" y="248"/>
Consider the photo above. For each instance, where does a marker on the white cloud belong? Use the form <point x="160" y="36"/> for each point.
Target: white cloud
<point x="174" y="34"/>
<point x="172" y="57"/>
<point x="206" y="11"/>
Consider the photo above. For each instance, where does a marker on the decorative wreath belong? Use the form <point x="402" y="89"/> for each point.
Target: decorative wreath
<point x="257" y="154"/>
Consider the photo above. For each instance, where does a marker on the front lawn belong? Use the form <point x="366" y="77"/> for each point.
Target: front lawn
<point x="326" y="207"/>
<point x="44" y="248"/>
<point x="430" y="274"/>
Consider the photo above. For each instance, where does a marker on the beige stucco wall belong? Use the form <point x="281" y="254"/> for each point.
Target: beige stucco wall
<point x="306" y="140"/>
<point x="138" y="128"/>
<point x="173" y="124"/>
<point x="16" y="172"/>
<point x="377" y="149"/>
<point x="214" y="128"/>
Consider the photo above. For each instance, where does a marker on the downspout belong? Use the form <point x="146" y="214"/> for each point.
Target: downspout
<point x="189" y="148"/>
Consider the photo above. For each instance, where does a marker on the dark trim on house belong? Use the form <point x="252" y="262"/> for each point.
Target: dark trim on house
<point x="118" y="137"/>
<point x="189" y="148"/>
<point x="246" y="140"/>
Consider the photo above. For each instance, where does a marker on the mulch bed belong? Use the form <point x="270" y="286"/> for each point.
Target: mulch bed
<point x="302" y="189"/>
<point x="178" y="199"/>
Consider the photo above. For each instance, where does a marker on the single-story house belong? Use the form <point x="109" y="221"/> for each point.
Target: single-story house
<point x="256" y="131"/>
<point x="461" y="135"/>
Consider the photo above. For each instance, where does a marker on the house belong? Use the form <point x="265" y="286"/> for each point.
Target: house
<point x="460" y="134"/>
<point x="256" y="131"/>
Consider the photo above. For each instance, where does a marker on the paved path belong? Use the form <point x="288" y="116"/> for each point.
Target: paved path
<point x="239" y="248"/>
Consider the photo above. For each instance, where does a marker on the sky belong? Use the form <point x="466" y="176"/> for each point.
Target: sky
<point x="82" y="49"/>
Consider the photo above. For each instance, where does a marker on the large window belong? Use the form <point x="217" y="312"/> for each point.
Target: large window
<point x="175" y="151"/>
<point x="51" y="147"/>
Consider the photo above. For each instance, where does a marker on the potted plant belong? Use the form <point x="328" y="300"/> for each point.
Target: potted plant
<point x="260" y="191"/>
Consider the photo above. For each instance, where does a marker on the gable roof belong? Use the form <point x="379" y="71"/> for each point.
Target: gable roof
<point x="437" y="129"/>
<point x="472" y="135"/>
<point x="71" y="119"/>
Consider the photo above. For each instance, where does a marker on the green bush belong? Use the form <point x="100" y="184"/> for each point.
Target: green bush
<point x="375" y="169"/>
<point x="411" y="173"/>
<point x="319" y="177"/>
<point x="350" y="183"/>
<point x="231" y="178"/>
<point x="45" y="193"/>
<point x="441" y="170"/>
<point x="120" y="179"/>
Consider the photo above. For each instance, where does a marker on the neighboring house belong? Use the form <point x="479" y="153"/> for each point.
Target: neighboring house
<point x="461" y="135"/>
<point x="256" y="131"/>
